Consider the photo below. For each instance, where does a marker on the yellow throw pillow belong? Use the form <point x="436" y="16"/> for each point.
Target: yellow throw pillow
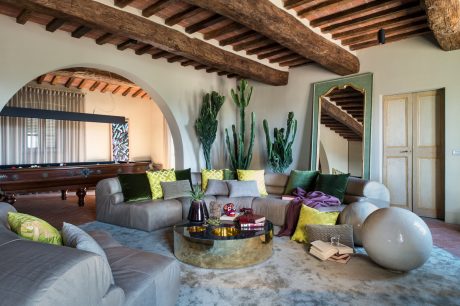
<point x="310" y="215"/>
<point x="33" y="228"/>
<point x="254" y="175"/>
<point x="210" y="174"/>
<point x="155" y="177"/>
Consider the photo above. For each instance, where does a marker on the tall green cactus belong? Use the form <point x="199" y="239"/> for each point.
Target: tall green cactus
<point x="238" y="157"/>
<point x="206" y="124"/>
<point x="280" y="150"/>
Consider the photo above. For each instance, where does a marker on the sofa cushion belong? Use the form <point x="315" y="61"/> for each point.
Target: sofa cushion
<point x="301" y="179"/>
<point x="135" y="187"/>
<point x="75" y="237"/>
<point x="310" y="215"/>
<point x="177" y="189"/>
<point x="333" y="184"/>
<point x="273" y="208"/>
<point x="146" y="278"/>
<point x="155" y="177"/>
<point x="254" y="175"/>
<point x="217" y="188"/>
<point x="239" y="189"/>
<point x="185" y="174"/>
<point x="207" y="174"/>
<point x="33" y="228"/>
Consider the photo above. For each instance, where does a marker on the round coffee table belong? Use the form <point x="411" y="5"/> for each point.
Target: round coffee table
<point x="225" y="246"/>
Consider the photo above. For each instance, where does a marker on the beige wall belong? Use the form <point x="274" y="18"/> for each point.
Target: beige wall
<point x="355" y="158"/>
<point x="176" y="90"/>
<point x="146" y="127"/>
<point x="335" y="148"/>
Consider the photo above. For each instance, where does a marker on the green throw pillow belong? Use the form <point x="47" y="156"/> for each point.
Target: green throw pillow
<point x="33" y="228"/>
<point x="310" y="215"/>
<point x="303" y="179"/>
<point x="230" y="175"/>
<point x="182" y="175"/>
<point x="333" y="184"/>
<point x="135" y="187"/>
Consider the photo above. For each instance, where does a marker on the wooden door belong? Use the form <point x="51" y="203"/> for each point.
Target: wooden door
<point x="413" y="151"/>
<point x="428" y="153"/>
<point x="397" y="149"/>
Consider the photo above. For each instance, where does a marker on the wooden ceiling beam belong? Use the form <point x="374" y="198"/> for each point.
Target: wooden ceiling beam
<point x="143" y="50"/>
<point x="23" y="16"/>
<point x="94" y="86"/>
<point x="394" y="31"/>
<point x="156" y="7"/>
<point x="123" y="3"/>
<point x="387" y="14"/>
<point x="254" y="43"/>
<point x="69" y="82"/>
<point x="265" y="49"/>
<point x="55" y="24"/>
<point x="188" y="63"/>
<point x="127" y="44"/>
<point x="82" y="84"/>
<point x="280" y="26"/>
<point x="105" y="18"/>
<point x="116" y="90"/>
<point x="176" y="18"/>
<point x="54" y="80"/>
<point x="274" y="53"/>
<point x="284" y="58"/>
<point x="137" y="93"/>
<point x="210" y="21"/>
<point x="387" y="24"/>
<point x="211" y="70"/>
<point x="80" y="32"/>
<point x="126" y="92"/>
<point x="176" y="58"/>
<point x="93" y="74"/>
<point x="200" y="67"/>
<point x="41" y="79"/>
<point x="295" y="62"/>
<point x="222" y="31"/>
<point x="104" y="38"/>
<point x="237" y="38"/>
<point x="160" y="54"/>
<point x="341" y="116"/>
<point x="329" y="5"/>
<point x="444" y="21"/>
<point x="105" y="88"/>
<point x="356" y="11"/>
<point x="389" y="39"/>
<point x="289" y="4"/>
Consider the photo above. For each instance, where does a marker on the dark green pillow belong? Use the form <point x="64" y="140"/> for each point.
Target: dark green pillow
<point x="229" y="175"/>
<point x="303" y="179"/>
<point x="182" y="175"/>
<point x="333" y="184"/>
<point x="135" y="187"/>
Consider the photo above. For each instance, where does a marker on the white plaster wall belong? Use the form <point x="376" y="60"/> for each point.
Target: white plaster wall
<point x="336" y="149"/>
<point x="176" y="90"/>
<point x="355" y="158"/>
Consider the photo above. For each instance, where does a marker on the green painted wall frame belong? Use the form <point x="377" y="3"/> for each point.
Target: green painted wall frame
<point x="362" y="81"/>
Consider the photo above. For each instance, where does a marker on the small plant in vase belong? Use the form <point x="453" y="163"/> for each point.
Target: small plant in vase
<point x="198" y="211"/>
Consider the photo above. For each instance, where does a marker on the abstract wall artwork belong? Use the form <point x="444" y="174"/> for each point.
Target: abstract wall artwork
<point x="120" y="142"/>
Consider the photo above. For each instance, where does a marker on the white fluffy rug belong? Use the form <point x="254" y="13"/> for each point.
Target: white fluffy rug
<point x="293" y="277"/>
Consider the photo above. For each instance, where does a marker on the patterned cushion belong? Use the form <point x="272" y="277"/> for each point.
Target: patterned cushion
<point x="243" y="189"/>
<point x="177" y="189"/>
<point x="325" y="232"/>
<point x="33" y="228"/>
<point x="310" y="215"/>
<point x="207" y="174"/>
<point x="254" y="175"/>
<point x="75" y="237"/>
<point x="155" y="177"/>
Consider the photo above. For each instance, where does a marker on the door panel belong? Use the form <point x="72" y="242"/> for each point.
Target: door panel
<point x="397" y="181"/>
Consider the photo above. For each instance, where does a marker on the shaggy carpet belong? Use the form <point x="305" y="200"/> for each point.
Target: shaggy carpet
<point x="293" y="277"/>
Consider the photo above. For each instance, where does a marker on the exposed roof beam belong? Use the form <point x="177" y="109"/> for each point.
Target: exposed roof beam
<point x="393" y="38"/>
<point x="123" y="3"/>
<point x="176" y="18"/>
<point x="341" y="116"/>
<point x="275" y="23"/>
<point x="444" y="21"/>
<point x="214" y="19"/>
<point x="54" y="24"/>
<point x="222" y="31"/>
<point x="126" y="44"/>
<point x="323" y="6"/>
<point x="288" y="4"/>
<point x="237" y="38"/>
<point x="104" y="38"/>
<point x="111" y="20"/>
<point x="23" y="16"/>
<point x="94" y="86"/>
<point x="143" y="50"/>
<point x="80" y="32"/>
<point x="156" y="7"/>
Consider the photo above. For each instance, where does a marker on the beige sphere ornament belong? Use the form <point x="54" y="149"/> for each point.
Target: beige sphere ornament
<point x="355" y="214"/>
<point x="397" y="239"/>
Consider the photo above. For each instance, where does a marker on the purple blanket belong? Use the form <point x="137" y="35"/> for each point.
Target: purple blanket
<point x="314" y="199"/>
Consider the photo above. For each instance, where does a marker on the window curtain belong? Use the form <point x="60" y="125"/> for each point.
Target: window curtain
<point x="35" y="141"/>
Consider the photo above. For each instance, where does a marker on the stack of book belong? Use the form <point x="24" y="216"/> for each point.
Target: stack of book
<point x="229" y="218"/>
<point x="326" y="251"/>
<point x="251" y="222"/>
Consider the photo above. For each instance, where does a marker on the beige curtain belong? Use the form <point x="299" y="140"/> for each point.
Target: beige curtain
<point x="36" y="141"/>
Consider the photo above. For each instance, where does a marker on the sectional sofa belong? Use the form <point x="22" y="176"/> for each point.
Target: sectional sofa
<point x="150" y="215"/>
<point x="34" y="273"/>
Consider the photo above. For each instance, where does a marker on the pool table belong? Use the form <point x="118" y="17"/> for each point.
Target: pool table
<point x="63" y="177"/>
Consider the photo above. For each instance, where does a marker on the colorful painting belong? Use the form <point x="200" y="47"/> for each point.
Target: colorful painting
<point x="120" y="142"/>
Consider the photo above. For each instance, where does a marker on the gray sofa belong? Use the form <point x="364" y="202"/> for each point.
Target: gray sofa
<point x="35" y="273"/>
<point x="154" y="214"/>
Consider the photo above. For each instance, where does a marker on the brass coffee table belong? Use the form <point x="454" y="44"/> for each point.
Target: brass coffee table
<point x="223" y="247"/>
